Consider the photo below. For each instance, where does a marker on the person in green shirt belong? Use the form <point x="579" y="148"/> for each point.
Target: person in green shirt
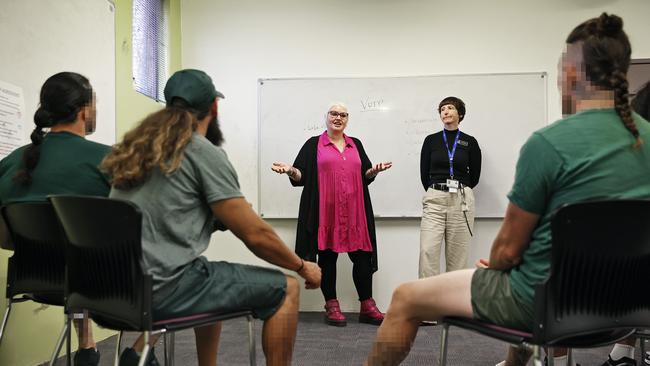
<point x="581" y="157"/>
<point x="60" y="161"/>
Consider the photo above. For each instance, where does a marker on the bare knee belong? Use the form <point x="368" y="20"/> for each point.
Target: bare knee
<point x="401" y="300"/>
<point x="293" y="288"/>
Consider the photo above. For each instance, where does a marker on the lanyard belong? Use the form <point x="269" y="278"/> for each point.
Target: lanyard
<point x="451" y="153"/>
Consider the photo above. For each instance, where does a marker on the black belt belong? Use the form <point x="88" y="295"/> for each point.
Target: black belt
<point x="440" y="187"/>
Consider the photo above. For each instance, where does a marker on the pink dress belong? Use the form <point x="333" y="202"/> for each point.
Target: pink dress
<point x="342" y="218"/>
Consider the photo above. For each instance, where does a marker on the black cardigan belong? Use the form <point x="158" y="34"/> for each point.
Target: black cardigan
<point x="308" y="214"/>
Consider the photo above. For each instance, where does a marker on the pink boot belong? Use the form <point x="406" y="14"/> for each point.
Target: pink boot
<point x="369" y="313"/>
<point x="333" y="315"/>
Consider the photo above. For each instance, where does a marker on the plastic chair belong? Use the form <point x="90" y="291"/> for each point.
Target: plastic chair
<point x="600" y="258"/>
<point x="36" y="269"/>
<point x="106" y="274"/>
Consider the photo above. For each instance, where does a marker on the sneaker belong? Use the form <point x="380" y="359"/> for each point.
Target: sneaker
<point x="130" y="358"/>
<point x="333" y="314"/>
<point x="86" y="357"/>
<point x="646" y="358"/>
<point x="623" y="361"/>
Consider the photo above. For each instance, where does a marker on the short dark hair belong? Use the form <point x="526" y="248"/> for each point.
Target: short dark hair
<point x="457" y="103"/>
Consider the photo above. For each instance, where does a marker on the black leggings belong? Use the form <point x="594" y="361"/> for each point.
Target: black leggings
<point x="361" y="273"/>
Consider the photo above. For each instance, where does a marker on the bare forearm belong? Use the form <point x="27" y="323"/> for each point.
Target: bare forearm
<point x="501" y="257"/>
<point x="294" y="174"/>
<point x="513" y="238"/>
<point x="267" y="245"/>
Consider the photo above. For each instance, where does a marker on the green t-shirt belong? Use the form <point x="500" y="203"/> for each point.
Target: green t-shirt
<point x="177" y="220"/>
<point x="587" y="156"/>
<point x="68" y="164"/>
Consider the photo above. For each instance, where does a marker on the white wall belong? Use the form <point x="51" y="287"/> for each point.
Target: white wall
<point x="237" y="42"/>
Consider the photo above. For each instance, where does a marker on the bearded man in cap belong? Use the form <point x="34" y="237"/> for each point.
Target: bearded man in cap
<point x="172" y="167"/>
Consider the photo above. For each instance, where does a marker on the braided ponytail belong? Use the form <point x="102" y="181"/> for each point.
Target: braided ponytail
<point x="622" y="104"/>
<point x="606" y="54"/>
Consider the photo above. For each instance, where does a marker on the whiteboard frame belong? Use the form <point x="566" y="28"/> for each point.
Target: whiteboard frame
<point x="260" y="83"/>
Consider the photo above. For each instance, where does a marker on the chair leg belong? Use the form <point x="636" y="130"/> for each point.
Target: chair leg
<point x="118" y="344"/>
<point x="251" y="341"/>
<point x="165" y="353"/>
<point x="569" y="357"/>
<point x="443" y="344"/>
<point x="549" y="356"/>
<point x="68" y="343"/>
<point x="537" y="356"/>
<point x="5" y="318"/>
<point x="145" y="350"/>
<point x="172" y="340"/>
<point x="60" y="340"/>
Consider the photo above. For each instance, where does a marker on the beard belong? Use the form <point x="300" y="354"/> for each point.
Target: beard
<point x="214" y="134"/>
<point x="90" y="126"/>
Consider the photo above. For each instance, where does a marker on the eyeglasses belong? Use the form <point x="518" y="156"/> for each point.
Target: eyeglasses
<point x="338" y="114"/>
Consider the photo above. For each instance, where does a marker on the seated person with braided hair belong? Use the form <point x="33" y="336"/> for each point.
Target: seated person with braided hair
<point x="581" y="157"/>
<point x="46" y="165"/>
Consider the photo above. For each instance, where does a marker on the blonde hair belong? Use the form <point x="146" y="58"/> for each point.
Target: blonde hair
<point x="157" y="142"/>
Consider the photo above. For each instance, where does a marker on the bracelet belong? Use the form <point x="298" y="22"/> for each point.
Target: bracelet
<point x="302" y="265"/>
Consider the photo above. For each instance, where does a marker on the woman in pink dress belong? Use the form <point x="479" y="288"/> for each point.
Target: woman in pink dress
<point x="335" y="214"/>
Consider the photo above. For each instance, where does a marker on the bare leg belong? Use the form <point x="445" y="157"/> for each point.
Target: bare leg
<point x="560" y="352"/>
<point x="207" y="343"/>
<point x="427" y="299"/>
<point x="518" y="356"/>
<point x="629" y="341"/>
<point x="138" y="345"/>
<point x="279" y="332"/>
<point x="84" y="330"/>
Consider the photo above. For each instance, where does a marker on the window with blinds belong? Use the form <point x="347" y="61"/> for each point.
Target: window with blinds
<point x="150" y="47"/>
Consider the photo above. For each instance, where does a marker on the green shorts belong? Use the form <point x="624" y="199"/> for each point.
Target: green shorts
<point x="223" y="287"/>
<point x="494" y="302"/>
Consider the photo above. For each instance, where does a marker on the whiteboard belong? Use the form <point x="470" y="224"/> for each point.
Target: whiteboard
<point x="42" y="37"/>
<point x="392" y="116"/>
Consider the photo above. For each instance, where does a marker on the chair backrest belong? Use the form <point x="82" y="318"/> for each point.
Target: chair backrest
<point x="600" y="268"/>
<point x="37" y="266"/>
<point x="105" y="273"/>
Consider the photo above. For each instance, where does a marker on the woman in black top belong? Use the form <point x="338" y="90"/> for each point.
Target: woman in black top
<point x="450" y="166"/>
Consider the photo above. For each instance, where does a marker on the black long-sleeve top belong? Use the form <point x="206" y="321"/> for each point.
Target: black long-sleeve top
<point x="434" y="159"/>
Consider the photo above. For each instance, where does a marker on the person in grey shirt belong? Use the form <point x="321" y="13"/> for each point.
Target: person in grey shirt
<point x="172" y="167"/>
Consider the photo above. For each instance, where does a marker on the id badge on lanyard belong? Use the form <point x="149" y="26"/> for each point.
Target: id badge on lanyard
<point x="452" y="184"/>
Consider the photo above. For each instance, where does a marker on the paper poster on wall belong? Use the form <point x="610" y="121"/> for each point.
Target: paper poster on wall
<point x="12" y="111"/>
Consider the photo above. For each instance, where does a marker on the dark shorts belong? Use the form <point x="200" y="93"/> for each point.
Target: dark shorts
<point x="494" y="302"/>
<point x="223" y="287"/>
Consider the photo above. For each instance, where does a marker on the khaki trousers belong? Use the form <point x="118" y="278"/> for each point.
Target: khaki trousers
<point x="442" y="218"/>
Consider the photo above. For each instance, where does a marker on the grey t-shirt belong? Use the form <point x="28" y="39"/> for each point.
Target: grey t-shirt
<point x="176" y="217"/>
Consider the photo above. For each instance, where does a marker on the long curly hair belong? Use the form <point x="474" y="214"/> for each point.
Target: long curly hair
<point x="606" y="53"/>
<point x="157" y="142"/>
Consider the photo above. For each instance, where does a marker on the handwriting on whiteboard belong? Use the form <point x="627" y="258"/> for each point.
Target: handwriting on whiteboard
<point x="371" y="104"/>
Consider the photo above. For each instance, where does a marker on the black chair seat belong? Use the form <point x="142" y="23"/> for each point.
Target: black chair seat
<point x="505" y="334"/>
<point x="55" y="299"/>
<point x="197" y="320"/>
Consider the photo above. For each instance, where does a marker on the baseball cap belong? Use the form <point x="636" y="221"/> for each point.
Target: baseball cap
<point x="194" y="86"/>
